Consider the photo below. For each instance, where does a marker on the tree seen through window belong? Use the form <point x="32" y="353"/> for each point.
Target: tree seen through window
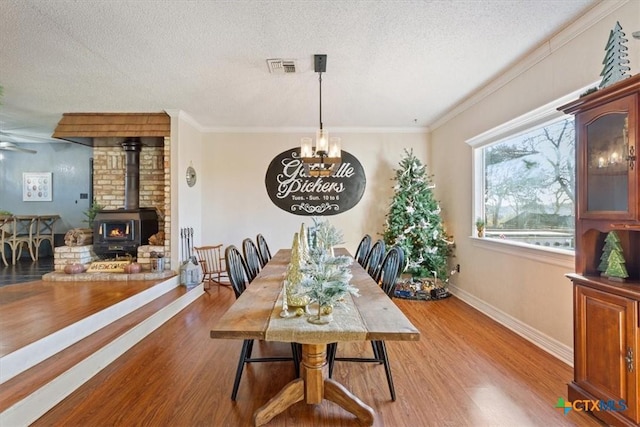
<point x="530" y="186"/>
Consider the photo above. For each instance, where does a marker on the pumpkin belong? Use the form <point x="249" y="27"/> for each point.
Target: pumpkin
<point x="74" y="268"/>
<point x="132" y="268"/>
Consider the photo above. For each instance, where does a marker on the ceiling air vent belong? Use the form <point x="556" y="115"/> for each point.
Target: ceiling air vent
<point x="281" y="66"/>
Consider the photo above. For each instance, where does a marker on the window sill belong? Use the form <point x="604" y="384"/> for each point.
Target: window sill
<point x="547" y="255"/>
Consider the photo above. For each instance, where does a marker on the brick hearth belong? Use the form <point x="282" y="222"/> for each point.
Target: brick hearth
<point x="65" y="255"/>
<point x="60" y="276"/>
<point x="105" y="132"/>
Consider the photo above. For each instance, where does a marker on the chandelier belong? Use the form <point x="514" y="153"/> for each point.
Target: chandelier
<point x="324" y="158"/>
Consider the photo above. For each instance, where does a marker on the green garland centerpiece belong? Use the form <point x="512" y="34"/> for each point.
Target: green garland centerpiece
<point x="325" y="277"/>
<point x="326" y="235"/>
<point x="326" y="281"/>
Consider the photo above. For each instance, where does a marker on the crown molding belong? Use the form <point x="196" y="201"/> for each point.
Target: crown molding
<point x="333" y="130"/>
<point x="526" y="121"/>
<point x="184" y="116"/>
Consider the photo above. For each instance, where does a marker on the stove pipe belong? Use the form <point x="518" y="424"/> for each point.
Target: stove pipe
<point x="132" y="148"/>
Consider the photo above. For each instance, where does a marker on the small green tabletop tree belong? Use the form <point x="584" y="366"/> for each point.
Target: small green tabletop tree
<point x="612" y="263"/>
<point x="612" y="240"/>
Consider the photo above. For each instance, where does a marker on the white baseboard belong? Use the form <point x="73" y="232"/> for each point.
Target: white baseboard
<point x="545" y="342"/>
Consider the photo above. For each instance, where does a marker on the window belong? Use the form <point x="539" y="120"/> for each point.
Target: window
<point x="524" y="179"/>
<point x="529" y="184"/>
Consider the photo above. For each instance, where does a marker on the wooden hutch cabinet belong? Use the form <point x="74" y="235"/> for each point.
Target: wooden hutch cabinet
<point x="606" y="329"/>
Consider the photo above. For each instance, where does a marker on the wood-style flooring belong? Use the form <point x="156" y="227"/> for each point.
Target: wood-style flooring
<point x="25" y="270"/>
<point x="466" y="370"/>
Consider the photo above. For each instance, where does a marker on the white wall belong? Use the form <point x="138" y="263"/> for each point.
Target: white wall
<point x="531" y="295"/>
<point x="187" y="202"/>
<point x="235" y="203"/>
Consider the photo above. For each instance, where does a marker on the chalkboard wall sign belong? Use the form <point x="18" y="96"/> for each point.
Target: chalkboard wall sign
<point x="291" y="190"/>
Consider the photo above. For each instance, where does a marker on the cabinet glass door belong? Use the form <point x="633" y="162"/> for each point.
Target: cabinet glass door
<point x="607" y="183"/>
<point x="607" y="173"/>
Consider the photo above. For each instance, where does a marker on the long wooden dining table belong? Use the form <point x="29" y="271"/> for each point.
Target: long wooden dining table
<point x="256" y="315"/>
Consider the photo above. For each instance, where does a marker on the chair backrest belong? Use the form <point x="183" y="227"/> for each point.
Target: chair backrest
<point x="19" y="228"/>
<point x="236" y="269"/>
<point x="374" y="258"/>
<point x="210" y="259"/>
<point x="45" y="225"/>
<point x="263" y="250"/>
<point x="391" y="269"/>
<point x="6" y="229"/>
<point x="251" y="258"/>
<point x="363" y="250"/>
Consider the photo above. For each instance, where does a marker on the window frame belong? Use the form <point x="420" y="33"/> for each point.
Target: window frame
<point x="519" y="125"/>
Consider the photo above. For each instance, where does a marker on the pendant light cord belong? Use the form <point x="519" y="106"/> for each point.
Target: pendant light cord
<point x="320" y="80"/>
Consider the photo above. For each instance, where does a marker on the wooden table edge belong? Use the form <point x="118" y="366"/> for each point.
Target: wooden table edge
<point x="236" y="335"/>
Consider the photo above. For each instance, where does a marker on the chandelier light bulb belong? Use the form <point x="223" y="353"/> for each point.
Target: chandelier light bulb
<point x="322" y="142"/>
<point x="335" y="149"/>
<point x="306" y="147"/>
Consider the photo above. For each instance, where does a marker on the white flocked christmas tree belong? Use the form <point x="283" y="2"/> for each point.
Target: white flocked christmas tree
<point x="414" y="222"/>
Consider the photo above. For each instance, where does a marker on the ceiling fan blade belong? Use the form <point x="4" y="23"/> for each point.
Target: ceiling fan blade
<point x="17" y="137"/>
<point x="10" y="146"/>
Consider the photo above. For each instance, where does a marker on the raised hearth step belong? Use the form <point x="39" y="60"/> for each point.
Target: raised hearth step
<point x="34" y="390"/>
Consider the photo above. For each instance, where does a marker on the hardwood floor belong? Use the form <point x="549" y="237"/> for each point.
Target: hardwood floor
<point x="466" y="370"/>
<point x="32" y="310"/>
<point x="25" y="270"/>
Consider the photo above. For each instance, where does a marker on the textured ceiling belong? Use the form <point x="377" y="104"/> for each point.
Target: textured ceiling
<point x="399" y="64"/>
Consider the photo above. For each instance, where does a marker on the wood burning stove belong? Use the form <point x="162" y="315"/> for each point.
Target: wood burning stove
<point x="121" y="231"/>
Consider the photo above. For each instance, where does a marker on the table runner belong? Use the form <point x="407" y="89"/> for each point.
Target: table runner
<point x="347" y="325"/>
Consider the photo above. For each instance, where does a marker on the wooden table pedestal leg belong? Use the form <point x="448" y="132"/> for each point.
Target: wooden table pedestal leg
<point x="290" y="394"/>
<point x="337" y="393"/>
<point x="313" y="387"/>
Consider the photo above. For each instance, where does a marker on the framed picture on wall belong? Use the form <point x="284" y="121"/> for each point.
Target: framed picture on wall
<point x="37" y="187"/>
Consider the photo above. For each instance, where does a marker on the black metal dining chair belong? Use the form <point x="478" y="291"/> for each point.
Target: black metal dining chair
<point x="392" y="266"/>
<point x="236" y="270"/>
<point x="363" y="250"/>
<point x="263" y="250"/>
<point x="374" y="259"/>
<point x="251" y="258"/>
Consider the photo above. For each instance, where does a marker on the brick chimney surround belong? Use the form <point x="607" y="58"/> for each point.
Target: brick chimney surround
<point x="105" y="132"/>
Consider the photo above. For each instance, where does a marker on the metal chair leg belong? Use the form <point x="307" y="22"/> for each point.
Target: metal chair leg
<point x="331" y="356"/>
<point x="246" y="344"/>
<point x="387" y="368"/>
<point x="249" y="349"/>
<point x="376" y="350"/>
<point x="297" y="357"/>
